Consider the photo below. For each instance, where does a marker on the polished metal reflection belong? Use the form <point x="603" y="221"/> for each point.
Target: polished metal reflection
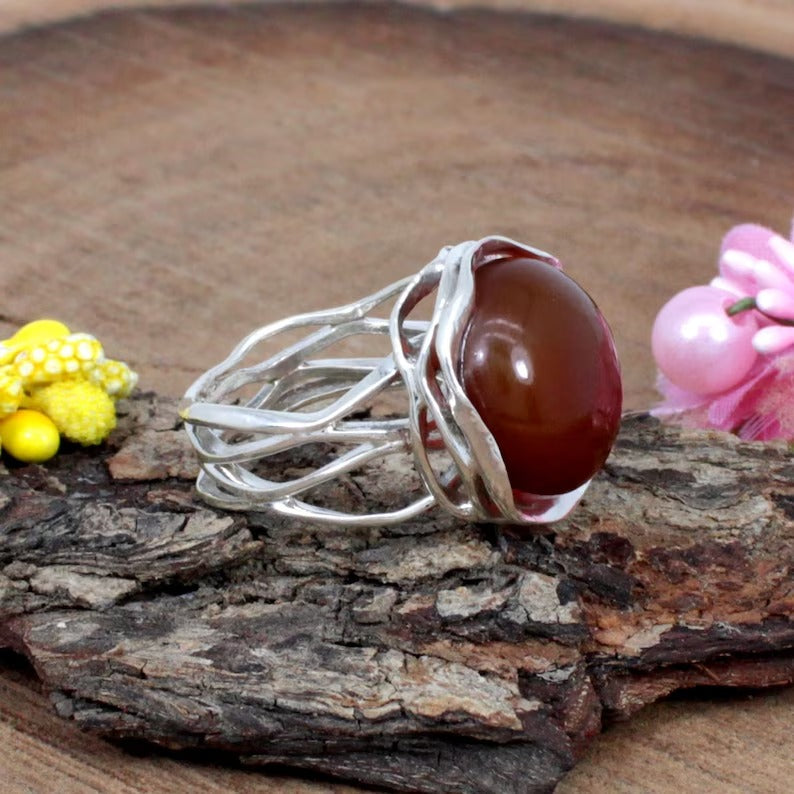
<point x="302" y="400"/>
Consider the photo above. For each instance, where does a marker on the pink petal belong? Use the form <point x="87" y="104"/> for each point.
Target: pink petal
<point x="737" y="267"/>
<point x="773" y="339"/>
<point x="761" y="427"/>
<point x="761" y="243"/>
<point x="725" y="284"/>
<point x="749" y="237"/>
<point x="676" y="400"/>
<point x="729" y="410"/>
<point x="776" y="303"/>
<point x="772" y="275"/>
<point x="784" y="250"/>
<point x="774" y="413"/>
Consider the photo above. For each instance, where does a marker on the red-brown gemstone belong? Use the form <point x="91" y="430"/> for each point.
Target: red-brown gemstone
<point x="538" y="363"/>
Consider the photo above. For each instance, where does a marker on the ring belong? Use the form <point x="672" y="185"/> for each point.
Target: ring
<point x="513" y="395"/>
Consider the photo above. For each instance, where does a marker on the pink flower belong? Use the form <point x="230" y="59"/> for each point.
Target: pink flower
<point x="726" y="351"/>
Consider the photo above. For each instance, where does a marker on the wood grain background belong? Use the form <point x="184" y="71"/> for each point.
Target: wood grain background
<point x="766" y="25"/>
<point x="170" y="179"/>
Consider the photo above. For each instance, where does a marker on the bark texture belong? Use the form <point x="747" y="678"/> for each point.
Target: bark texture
<point x="435" y="656"/>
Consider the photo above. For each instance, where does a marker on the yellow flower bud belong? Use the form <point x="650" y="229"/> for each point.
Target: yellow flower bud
<point x="11" y="392"/>
<point x="29" y="436"/>
<point x="115" y="377"/>
<point x="72" y="356"/>
<point x="81" y="410"/>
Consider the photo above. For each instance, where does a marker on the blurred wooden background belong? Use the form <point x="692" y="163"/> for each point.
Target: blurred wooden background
<point x="762" y="24"/>
<point x="168" y="180"/>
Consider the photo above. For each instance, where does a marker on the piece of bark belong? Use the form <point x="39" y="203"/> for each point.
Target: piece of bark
<point x="435" y="656"/>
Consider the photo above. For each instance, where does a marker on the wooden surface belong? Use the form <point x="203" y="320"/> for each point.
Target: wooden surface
<point x="170" y="179"/>
<point x="767" y="25"/>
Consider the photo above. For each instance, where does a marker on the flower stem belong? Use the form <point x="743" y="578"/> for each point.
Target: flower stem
<point x="742" y="305"/>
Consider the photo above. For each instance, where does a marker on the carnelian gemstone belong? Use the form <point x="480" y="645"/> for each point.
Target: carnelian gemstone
<point x="538" y="363"/>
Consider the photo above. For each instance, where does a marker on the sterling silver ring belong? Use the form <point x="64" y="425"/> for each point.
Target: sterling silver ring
<point x="513" y="391"/>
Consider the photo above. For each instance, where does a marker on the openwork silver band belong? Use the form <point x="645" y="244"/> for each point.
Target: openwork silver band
<point x="300" y="400"/>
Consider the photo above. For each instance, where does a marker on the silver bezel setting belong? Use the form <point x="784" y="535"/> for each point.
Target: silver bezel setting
<point x="232" y="436"/>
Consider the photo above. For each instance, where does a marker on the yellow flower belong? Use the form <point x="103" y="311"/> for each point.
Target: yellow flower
<point x="39" y="332"/>
<point x="66" y="380"/>
<point x="29" y="436"/>
<point x="11" y="391"/>
<point x="73" y="356"/>
<point x="82" y="411"/>
<point x="115" y="377"/>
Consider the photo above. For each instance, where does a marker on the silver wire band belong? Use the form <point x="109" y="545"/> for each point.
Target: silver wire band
<point x="301" y="400"/>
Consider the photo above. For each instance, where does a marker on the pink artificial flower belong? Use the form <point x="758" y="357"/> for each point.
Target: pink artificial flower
<point x="733" y="370"/>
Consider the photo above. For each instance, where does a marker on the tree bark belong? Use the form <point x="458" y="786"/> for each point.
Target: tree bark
<point x="435" y="656"/>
